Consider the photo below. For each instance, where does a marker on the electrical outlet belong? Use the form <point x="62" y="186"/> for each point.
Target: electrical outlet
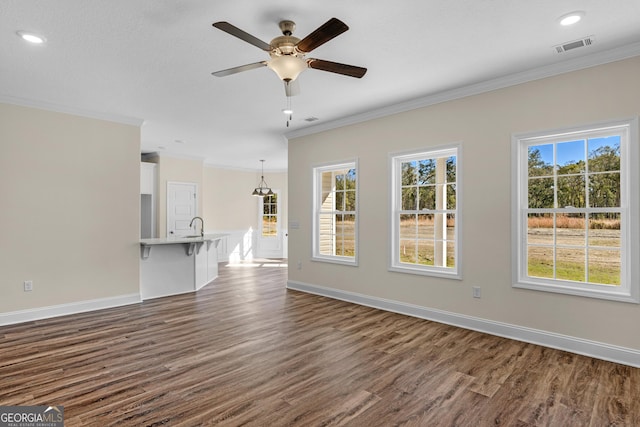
<point x="299" y="265"/>
<point x="28" y="285"/>
<point x="476" y="291"/>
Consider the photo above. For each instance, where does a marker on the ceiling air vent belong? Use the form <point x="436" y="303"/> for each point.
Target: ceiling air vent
<point x="587" y="41"/>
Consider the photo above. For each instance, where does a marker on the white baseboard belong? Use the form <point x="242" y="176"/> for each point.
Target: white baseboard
<point x="599" y="350"/>
<point x="65" y="309"/>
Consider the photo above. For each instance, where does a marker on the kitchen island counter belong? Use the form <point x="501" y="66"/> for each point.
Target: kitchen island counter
<point x="176" y="265"/>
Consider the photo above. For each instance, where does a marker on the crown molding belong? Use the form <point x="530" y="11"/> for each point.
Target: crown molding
<point x="170" y="155"/>
<point x="241" y="169"/>
<point x="567" y="66"/>
<point x="49" y="106"/>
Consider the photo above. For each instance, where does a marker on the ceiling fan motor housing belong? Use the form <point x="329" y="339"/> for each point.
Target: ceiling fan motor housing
<point x="284" y="45"/>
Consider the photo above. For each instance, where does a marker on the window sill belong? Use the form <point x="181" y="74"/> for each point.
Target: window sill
<point x="424" y="272"/>
<point x="600" y="291"/>
<point x="352" y="262"/>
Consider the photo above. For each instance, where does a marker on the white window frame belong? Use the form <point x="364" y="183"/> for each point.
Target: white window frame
<point x="318" y="170"/>
<point x="628" y="290"/>
<point x="277" y="215"/>
<point x="395" y="204"/>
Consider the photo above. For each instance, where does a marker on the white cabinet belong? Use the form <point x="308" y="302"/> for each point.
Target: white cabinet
<point x="147" y="178"/>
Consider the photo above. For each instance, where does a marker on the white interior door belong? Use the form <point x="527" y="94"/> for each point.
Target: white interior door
<point x="181" y="208"/>
<point x="270" y="228"/>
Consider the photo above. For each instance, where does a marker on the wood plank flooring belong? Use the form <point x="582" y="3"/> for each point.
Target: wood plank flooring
<point x="245" y="351"/>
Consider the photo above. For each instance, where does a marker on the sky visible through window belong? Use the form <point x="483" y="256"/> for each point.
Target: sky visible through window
<point x="573" y="151"/>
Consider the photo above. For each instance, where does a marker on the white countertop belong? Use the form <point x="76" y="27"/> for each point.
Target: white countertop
<point x="181" y="239"/>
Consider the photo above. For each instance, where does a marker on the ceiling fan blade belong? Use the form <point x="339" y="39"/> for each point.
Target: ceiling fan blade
<point x="292" y="87"/>
<point x="242" y="35"/>
<point x="239" y="69"/>
<point x="330" y="29"/>
<point x="335" y="67"/>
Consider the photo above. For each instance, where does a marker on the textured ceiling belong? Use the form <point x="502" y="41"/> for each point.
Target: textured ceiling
<point x="152" y="60"/>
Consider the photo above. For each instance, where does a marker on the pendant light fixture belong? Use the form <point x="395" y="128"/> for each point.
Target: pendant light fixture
<point x="262" y="189"/>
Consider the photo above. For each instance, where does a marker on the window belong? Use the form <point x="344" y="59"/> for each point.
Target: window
<point x="270" y="215"/>
<point x="335" y="220"/>
<point x="425" y="223"/>
<point x="576" y="219"/>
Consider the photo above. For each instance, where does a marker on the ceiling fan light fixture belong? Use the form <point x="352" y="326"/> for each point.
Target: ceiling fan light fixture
<point x="287" y="53"/>
<point x="287" y="67"/>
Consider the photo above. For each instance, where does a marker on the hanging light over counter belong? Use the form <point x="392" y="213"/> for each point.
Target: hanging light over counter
<point x="262" y="189"/>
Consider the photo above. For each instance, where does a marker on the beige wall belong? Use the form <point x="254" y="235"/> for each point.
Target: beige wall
<point x="483" y="124"/>
<point x="228" y="203"/>
<point x="70" y="208"/>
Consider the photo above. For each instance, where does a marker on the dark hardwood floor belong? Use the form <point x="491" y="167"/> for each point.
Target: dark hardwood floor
<point x="245" y="351"/>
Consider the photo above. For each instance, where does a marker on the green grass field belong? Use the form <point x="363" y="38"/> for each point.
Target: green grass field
<point x="417" y="246"/>
<point x="603" y="243"/>
<point x="567" y="270"/>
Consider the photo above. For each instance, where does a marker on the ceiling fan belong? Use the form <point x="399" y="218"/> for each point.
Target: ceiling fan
<point x="288" y="52"/>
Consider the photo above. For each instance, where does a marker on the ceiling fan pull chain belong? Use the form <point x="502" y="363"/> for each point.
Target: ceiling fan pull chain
<point x="289" y="110"/>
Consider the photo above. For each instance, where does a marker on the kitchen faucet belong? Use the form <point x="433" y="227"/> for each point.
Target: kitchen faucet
<point x="201" y="224"/>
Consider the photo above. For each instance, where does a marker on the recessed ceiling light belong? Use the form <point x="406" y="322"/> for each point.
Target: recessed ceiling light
<point x="287" y="111"/>
<point x="179" y="141"/>
<point x="31" y="38"/>
<point x="571" y="18"/>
